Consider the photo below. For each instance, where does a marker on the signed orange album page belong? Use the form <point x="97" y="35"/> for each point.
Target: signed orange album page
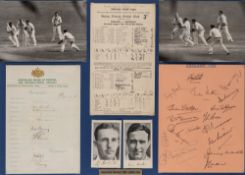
<point x="201" y="118"/>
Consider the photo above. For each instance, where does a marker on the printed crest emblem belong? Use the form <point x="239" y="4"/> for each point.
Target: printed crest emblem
<point x="37" y="73"/>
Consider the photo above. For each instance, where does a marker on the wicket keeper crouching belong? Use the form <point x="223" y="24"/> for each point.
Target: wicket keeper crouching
<point x="68" y="38"/>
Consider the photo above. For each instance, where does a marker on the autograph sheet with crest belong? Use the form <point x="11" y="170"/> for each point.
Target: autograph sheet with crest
<point x="122" y="59"/>
<point x="201" y="118"/>
<point x="42" y="119"/>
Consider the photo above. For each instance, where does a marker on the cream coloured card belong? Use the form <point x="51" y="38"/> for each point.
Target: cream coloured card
<point x="42" y="119"/>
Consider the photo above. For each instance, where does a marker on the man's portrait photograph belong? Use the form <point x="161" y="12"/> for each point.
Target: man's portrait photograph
<point x="106" y="143"/>
<point x="137" y="144"/>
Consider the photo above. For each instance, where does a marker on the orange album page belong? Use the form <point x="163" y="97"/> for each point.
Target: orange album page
<point x="201" y="118"/>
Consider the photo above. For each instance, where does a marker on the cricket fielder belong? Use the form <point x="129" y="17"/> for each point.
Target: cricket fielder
<point x="177" y="23"/>
<point x="216" y="36"/>
<point x="68" y="38"/>
<point x="22" y="34"/>
<point x="13" y="34"/>
<point x="223" y="25"/>
<point x="31" y="32"/>
<point x="186" y="33"/>
<point x="197" y="27"/>
<point x="56" y="21"/>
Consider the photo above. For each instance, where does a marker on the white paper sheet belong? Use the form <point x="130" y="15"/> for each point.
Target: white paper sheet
<point x="42" y="119"/>
<point x="122" y="59"/>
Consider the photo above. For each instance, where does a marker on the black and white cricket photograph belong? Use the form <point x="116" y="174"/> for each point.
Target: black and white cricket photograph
<point x="43" y="30"/>
<point x="201" y="31"/>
